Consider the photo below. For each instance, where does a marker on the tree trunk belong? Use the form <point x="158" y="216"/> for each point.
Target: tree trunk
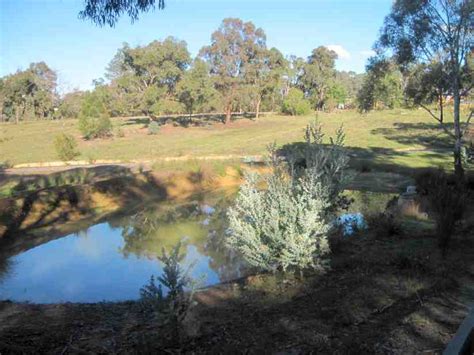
<point x="17" y="114"/>
<point x="458" y="169"/>
<point x="257" y="108"/>
<point x="228" y="114"/>
<point x="441" y="112"/>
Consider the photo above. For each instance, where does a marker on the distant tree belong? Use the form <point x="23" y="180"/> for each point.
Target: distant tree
<point x="351" y="82"/>
<point x="263" y="75"/>
<point x="143" y="76"/>
<point x="107" y="12"/>
<point x="196" y="88"/>
<point x="235" y="47"/>
<point x="70" y="104"/>
<point x="295" y="103"/>
<point x="382" y="86"/>
<point x="318" y="75"/>
<point x="29" y="93"/>
<point x="420" y="31"/>
<point x="94" y="121"/>
<point x="427" y="83"/>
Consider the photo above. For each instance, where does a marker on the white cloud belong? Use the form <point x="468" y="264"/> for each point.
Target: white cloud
<point x="342" y="53"/>
<point x="368" y="53"/>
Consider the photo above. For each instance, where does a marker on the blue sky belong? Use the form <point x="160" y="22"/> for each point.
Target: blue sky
<point x="49" y="30"/>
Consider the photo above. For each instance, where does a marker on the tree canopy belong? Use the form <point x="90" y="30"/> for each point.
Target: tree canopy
<point x="108" y="12"/>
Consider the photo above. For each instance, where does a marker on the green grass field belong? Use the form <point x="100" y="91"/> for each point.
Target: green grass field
<point x="408" y="138"/>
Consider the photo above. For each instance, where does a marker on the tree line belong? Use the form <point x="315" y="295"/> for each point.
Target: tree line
<point x="236" y="72"/>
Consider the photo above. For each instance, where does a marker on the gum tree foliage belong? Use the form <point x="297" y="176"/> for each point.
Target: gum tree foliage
<point x="108" y="12"/>
<point x="263" y="75"/>
<point x="29" y="94"/>
<point x="144" y="79"/>
<point x="196" y="88"/>
<point x="285" y="225"/>
<point x="233" y="56"/>
<point x="318" y="75"/>
<point x="428" y="83"/>
<point x="382" y="86"/>
<point x="295" y="103"/>
<point x="420" y="31"/>
<point x="94" y="121"/>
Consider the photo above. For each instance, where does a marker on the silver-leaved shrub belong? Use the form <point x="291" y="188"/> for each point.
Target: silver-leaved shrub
<point x="281" y="220"/>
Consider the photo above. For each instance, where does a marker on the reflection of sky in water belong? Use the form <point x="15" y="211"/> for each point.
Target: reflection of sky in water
<point x="87" y="267"/>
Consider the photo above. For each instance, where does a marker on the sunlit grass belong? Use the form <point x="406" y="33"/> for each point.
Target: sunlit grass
<point x="401" y="137"/>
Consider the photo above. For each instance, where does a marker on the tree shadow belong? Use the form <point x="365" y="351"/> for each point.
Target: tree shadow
<point x="372" y="159"/>
<point x="428" y="135"/>
<point x="50" y="207"/>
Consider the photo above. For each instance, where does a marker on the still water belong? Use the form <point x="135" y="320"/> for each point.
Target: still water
<point x="110" y="261"/>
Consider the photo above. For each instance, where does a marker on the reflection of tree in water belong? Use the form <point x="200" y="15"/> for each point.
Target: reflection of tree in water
<point x="5" y="267"/>
<point x="223" y="260"/>
<point x="163" y="226"/>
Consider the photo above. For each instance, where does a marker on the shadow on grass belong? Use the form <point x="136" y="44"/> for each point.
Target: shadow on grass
<point x="428" y="135"/>
<point x="186" y="120"/>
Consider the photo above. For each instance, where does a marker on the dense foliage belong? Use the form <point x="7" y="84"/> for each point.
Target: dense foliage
<point x="93" y="118"/>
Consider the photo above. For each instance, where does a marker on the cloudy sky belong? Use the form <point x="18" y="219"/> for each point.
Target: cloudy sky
<point x="50" y="31"/>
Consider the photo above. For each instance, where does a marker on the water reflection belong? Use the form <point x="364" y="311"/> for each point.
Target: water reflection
<point x="112" y="260"/>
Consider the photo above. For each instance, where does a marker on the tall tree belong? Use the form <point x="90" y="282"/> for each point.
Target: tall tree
<point x="318" y="75"/>
<point x="233" y="46"/>
<point x="382" y="86"/>
<point x="418" y="31"/>
<point x="263" y="75"/>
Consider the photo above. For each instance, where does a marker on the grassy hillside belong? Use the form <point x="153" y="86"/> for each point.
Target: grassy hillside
<point x="400" y="137"/>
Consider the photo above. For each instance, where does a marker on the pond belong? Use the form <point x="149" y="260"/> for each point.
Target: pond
<point x="112" y="260"/>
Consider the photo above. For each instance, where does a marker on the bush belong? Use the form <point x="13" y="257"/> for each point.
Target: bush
<point x="66" y="147"/>
<point x="384" y="224"/>
<point x="93" y="118"/>
<point x="154" y="128"/>
<point x="295" y="104"/>
<point x="286" y="225"/>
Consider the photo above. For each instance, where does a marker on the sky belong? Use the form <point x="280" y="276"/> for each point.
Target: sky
<point x="50" y="31"/>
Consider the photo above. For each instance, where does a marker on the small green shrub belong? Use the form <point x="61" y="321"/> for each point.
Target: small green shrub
<point x="295" y="104"/>
<point x="173" y="308"/>
<point x="154" y="128"/>
<point x="66" y="147"/>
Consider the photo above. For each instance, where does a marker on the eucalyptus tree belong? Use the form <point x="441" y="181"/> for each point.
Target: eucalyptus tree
<point x="318" y="74"/>
<point x="147" y="75"/>
<point x="29" y="93"/>
<point x="264" y="75"/>
<point x="382" y="86"/>
<point x="235" y="48"/>
<point x="420" y="31"/>
<point x="196" y="88"/>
